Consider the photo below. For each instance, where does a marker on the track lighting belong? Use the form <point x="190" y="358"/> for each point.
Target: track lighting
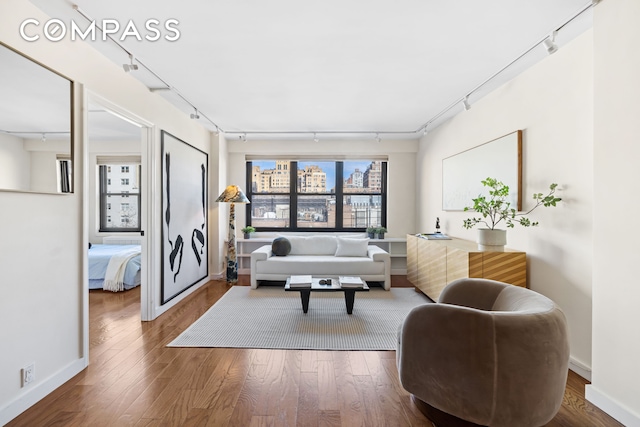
<point x="378" y="139"/>
<point x="195" y="115"/>
<point x="465" y="103"/>
<point x="315" y="137"/>
<point x="550" y="43"/>
<point x="131" y="66"/>
<point x="44" y="138"/>
<point x="243" y="137"/>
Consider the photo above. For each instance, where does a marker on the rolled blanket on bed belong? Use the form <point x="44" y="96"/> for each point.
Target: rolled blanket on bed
<point x="114" y="277"/>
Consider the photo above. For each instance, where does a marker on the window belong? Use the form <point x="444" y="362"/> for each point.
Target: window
<point x="320" y="195"/>
<point x="122" y="205"/>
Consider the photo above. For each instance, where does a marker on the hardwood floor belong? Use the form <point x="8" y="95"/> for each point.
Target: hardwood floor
<point x="134" y="380"/>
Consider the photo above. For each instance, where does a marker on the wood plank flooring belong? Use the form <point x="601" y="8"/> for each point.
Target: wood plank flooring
<point x="134" y="380"/>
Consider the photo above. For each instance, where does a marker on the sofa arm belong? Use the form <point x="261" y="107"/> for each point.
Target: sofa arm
<point x="261" y="254"/>
<point x="377" y="254"/>
<point x="445" y="357"/>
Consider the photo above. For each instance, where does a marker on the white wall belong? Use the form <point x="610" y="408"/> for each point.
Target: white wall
<point x="219" y="212"/>
<point x="401" y="206"/>
<point x="552" y="103"/>
<point x="616" y="288"/>
<point x="44" y="176"/>
<point x="44" y="237"/>
<point x="15" y="166"/>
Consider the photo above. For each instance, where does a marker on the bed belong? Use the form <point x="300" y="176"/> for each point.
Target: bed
<point x="114" y="267"/>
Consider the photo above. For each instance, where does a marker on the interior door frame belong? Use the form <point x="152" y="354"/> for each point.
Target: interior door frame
<point x="148" y="182"/>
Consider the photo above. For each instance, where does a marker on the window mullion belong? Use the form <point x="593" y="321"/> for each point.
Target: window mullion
<point x="293" y="195"/>
<point x="339" y="195"/>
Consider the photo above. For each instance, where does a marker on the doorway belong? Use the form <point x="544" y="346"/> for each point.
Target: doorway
<point x="116" y="137"/>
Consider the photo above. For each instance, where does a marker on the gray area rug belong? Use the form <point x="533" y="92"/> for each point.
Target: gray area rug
<point x="270" y="317"/>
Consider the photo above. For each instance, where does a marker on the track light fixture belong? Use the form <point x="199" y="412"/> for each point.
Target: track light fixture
<point x="378" y="139"/>
<point x="243" y="137"/>
<point x="195" y="116"/>
<point x="315" y="137"/>
<point x="550" y="43"/>
<point x="465" y="103"/>
<point x="130" y="66"/>
<point x="44" y="138"/>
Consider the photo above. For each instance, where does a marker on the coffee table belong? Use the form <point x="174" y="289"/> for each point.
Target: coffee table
<point x="316" y="286"/>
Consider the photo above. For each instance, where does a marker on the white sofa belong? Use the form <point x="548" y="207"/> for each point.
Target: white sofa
<point x="323" y="256"/>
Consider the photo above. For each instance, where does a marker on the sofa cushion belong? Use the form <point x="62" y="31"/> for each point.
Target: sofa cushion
<point x="281" y="246"/>
<point x="313" y="245"/>
<point x="320" y="265"/>
<point x="352" y="247"/>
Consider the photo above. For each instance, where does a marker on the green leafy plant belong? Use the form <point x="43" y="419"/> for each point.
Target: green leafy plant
<point x="371" y="230"/>
<point x="495" y="208"/>
<point x="248" y="230"/>
<point x="380" y="230"/>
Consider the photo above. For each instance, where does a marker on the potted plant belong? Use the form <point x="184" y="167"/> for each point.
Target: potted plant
<point x="380" y="232"/>
<point x="371" y="231"/>
<point x="495" y="209"/>
<point x="247" y="231"/>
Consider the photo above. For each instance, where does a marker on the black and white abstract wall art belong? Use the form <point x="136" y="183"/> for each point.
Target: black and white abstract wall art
<point x="184" y="216"/>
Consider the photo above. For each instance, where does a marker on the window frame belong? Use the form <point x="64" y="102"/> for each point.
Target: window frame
<point x="338" y="195"/>
<point x="103" y="227"/>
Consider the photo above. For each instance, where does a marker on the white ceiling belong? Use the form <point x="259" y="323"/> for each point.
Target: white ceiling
<point x="335" y="65"/>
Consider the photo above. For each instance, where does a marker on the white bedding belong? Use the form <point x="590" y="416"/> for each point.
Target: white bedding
<point x="99" y="257"/>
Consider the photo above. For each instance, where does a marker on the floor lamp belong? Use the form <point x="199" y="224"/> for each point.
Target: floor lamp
<point x="232" y="194"/>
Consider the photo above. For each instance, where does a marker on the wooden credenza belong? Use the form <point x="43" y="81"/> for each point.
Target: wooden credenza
<point x="432" y="264"/>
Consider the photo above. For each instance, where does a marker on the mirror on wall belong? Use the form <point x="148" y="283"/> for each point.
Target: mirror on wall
<point x="35" y="126"/>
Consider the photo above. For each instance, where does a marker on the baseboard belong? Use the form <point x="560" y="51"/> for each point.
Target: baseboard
<point x="31" y="396"/>
<point x="580" y="368"/>
<point x="398" y="271"/>
<point x="612" y="407"/>
<point x="159" y="310"/>
<point x="216" y="276"/>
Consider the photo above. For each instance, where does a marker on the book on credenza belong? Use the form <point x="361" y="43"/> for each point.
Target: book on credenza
<point x="303" y="281"/>
<point x="350" y="282"/>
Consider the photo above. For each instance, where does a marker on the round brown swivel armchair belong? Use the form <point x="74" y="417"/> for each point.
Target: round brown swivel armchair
<point x="488" y="353"/>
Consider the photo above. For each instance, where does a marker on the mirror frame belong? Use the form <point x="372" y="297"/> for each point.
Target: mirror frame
<point x="71" y="126"/>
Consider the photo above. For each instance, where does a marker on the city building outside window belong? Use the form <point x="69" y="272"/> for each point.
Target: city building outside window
<point x="120" y="204"/>
<point x="320" y="195"/>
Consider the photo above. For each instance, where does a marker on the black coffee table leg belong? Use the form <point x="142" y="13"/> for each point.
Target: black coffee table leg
<point x="304" y="296"/>
<point x="349" y="296"/>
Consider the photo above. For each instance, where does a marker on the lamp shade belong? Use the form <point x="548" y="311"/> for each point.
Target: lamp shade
<point x="233" y="194"/>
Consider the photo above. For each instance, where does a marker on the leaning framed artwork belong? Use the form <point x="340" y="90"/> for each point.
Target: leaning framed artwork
<point x="184" y="216"/>
<point x="462" y="173"/>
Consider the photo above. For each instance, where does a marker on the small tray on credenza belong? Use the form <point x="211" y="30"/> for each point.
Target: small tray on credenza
<point x="434" y="236"/>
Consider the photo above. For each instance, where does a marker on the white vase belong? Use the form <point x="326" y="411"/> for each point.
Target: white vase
<point x="492" y="240"/>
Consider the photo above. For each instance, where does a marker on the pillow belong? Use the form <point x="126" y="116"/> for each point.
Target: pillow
<point x="297" y="244"/>
<point x="281" y="246"/>
<point x="313" y="245"/>
<point x="352" y="247"/>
